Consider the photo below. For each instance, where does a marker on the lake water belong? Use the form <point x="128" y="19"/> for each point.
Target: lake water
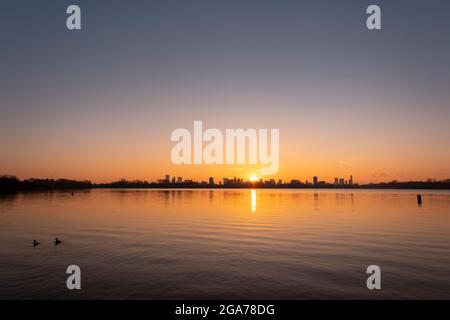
<point x="225" y="244"/>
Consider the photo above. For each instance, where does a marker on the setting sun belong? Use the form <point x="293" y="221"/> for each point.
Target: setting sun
<point x="253" y="178"/>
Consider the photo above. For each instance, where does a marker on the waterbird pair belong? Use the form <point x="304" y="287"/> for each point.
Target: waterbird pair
<point x="36" y="243"/>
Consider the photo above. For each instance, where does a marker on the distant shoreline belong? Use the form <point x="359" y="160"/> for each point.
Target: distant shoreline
<point x="12" y="184"/>
<point x="234" y="188"/>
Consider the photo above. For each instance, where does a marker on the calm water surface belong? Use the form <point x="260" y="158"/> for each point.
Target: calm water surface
<point x="225" y="244"/>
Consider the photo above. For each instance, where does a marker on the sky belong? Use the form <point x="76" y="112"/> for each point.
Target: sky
<point x="101" y="103"/>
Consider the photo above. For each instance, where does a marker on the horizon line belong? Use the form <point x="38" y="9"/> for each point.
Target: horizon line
<point x="234" y="180"/>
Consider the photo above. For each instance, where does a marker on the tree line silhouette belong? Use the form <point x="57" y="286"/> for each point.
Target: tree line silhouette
<point x="10" y="183"/>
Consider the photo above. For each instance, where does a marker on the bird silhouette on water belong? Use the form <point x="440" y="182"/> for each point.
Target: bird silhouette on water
<point x="35" y="243"/>
<point x="57" y="241"/>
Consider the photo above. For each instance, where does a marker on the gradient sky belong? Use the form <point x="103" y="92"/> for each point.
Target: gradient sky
<point x="101" y="103"/>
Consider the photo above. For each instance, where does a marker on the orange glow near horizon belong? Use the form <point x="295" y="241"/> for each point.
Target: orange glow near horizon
<point x="109" y="155"/>
<point x="112" y="171"/>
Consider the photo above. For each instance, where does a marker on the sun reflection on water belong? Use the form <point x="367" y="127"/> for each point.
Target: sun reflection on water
<point x="253" y="200"/>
